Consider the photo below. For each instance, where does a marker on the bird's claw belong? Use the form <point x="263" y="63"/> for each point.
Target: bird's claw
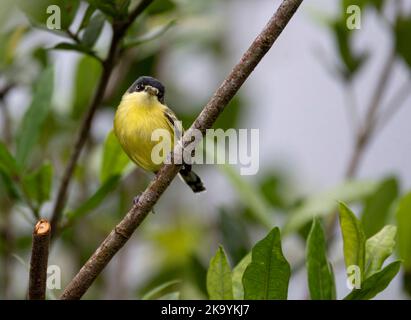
<point x="135" y="199"/>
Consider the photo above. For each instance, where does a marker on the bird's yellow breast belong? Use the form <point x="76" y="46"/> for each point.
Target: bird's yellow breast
<point x="137" y="116"/>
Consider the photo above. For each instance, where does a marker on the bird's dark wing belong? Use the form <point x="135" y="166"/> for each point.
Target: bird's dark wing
<point x="174" y="123"/>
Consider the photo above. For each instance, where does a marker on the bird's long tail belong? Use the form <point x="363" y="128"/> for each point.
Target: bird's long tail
<point x="191" y="179"/>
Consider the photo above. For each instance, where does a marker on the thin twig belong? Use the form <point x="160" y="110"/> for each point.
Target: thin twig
<point x="367" y="130"/>
<point x="119" y="30"/>
<point x="39" y="260"/>
<point x="351" y="108"/>
<point x="123" y="231"/>
<point x="395" y="104"/>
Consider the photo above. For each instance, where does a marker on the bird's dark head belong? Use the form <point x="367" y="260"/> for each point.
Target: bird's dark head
<point x="150" y="85"/>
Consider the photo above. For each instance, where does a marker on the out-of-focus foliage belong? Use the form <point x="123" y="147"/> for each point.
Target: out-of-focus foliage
<point x="219" y="278"/>
<point x="376" y="283"/>
<point x="354" y="239"/>
<point x="319" y="271"/>
<point x="179" y="240"/>
<point x="377" y="206"/>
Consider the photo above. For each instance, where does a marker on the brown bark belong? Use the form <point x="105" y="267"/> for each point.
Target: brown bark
<point x="39" y="260"/>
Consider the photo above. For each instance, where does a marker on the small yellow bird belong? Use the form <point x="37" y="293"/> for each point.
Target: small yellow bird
<point x="141" y="111"/>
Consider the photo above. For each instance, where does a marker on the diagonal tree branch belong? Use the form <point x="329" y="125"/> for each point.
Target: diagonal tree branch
<point x="123" y="231"/>
<point x="119" y="30"/>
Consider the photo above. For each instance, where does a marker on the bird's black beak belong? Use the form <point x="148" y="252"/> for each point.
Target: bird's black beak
<point x="151" y="90"/>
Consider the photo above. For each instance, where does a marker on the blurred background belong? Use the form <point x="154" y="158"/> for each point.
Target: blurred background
<point x="310" y="98"/>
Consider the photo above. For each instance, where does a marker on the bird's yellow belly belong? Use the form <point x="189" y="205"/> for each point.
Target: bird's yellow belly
<point x="134" y="127"/>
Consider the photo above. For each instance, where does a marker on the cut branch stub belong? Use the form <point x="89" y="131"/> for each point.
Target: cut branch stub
<point x="39" y="260"/>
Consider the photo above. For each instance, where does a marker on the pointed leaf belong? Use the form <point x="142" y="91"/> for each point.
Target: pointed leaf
<point x="238" y="273"/>
<point x="38" y="184"/>
<point x="234" y="235"/>
<point x="402" y="38"/>
<point x="75" y="47"/>
<point x="353" y="237"/>
<point x="95" y="200"/>
<point x="268" y="274"/>
<point x="86" y="17"/>
<point x="320" y="275"/>
<point x="326" y="203"/>
<point x="151" y="36"/>
<point x="88" y="71"/>
<point x="376" y="283"/>
<point x="106" y="6"/>
<point x="37" y="11"/>
<point x="378" y="248"/>
<point x="404" y="230"/>
<point x="35" y="116"/>
<point x="377" y="206"/>
<point x="114" y="159"/>
<point x="93" y="30"/>
<point x="157" y="290"/>
<point x="170" y="296"/>
<point x="219" y="281"/>
<point x="7" y="162"/>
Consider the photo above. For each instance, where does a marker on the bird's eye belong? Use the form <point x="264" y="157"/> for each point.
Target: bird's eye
<point x="140" y="86"/>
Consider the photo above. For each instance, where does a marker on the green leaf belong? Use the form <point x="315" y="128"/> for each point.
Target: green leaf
<point x="37" y="12"/>
<point x="378" y="248"/>
<point x="404" y="230"/>
<point x="35" y="116"/>
<point x="377" y="206"/>
<point x="9" y="43"/>
<point x="7" y="162"/>
<point x="320" y="275"/>
<point x="87" y="74"/>
<point x="268" y="274"/>
<point x="250" y="195"/>
<point x="122" y="6"/>
<point x="8" y="186"/>
<point x="170" y="296"/>
<point x="157" y="290"/>
<point x="75" y="47"/>
<point x="219" y="281"/>
<point x="353" y="238"/>
<point x="402" y="38"/>
<point x="160" y="7"/>
<point x="274" y="188"/>
<point x="151" y="36"/>
<point x="37" y="185"/>
<point x="114" y="159"/>
<point x="234" y="235"/>
<point x="93" y="30"/>
<point x="86" y="18"/>
<point x="376" y="283"/>
<point x="68" y="11"/>
<point x="351" y="62"/>
<point x="95" y="200"/>
<point x="326" y="203"/>
<point x="238" y="273"/>
<point x="108" y="7"/>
